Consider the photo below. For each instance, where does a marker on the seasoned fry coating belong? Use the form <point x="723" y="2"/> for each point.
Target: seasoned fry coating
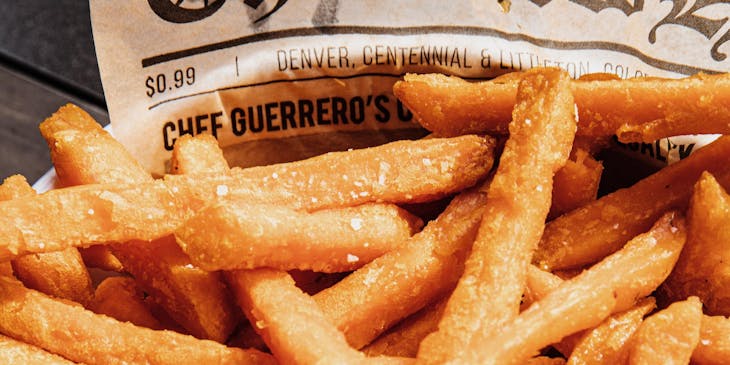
<point x="703" y="269"/>
<point x="16" y="352"/>
<point x="83" y="336"/>
<point x="607" y="223"/>
<point x="61" y="274"/>
<point x="397" y="172"/>
<point x="610" y="286"/>
<point x="236" y="235"/>
<point x="300" y="336"/>
<point x="154" y="209"/>
<point x="639" y="109"/>
<point x="118" y="297"/>
<point x="668" y="336"/>
<point x="490" y="290"/>
<point x="714" y="345"/>
<point x="401" y="282"/>
<point x="609" y="342"/>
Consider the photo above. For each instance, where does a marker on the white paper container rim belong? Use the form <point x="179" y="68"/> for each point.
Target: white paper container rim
<point x="48" y="180"/>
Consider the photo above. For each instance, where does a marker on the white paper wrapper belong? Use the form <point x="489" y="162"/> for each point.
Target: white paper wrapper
<point x="278" y="76"/>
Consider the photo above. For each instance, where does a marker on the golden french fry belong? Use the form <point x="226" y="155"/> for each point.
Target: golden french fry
<point x="401" y="282"/>
<point x="703" y="268"/>
<point x="16" y="352"/>
<point x="544" y="360"/>
<point x="118" y="297"/>
<point x="611" y="285"/>
<point x="197" y="155"/>
<point x="299" y="336"/>
<point x="639" y="109"/>
<point x="668" y="336"/>
<point x="398" y="172"/>
<point x="609" y="342"/>
<point x="576" y="183"/>
<point x="713" y="347"/>
<point x="489" y="292"/>
<point x="248" y="236"/>
<point x="586" y="234"/>
<point x="81" y="335"/>
<point x="61" y="274"/>
<point x="100" y="257"/>
<point x="196" y="299"/>
<point x="404" y="338"/>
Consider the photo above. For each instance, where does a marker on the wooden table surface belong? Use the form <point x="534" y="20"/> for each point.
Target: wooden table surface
<point x="47" y="59"/>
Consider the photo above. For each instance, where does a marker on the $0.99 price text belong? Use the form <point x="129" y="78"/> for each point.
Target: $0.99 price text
<point x="163" y="82"/>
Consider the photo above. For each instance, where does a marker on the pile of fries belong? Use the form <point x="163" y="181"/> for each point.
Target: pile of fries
<point x="484" y="243"/>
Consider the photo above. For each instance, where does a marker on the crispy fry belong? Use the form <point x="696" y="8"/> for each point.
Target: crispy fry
<point x="544" y="360"/>
<point x="608" y="343"/>
<point x="433" y="168"/>
<point x="401" y="282"/>
<point x="668" y="336"/>
<point x="489" y="292"/>
<point x="197" y="155"/>
<point x="640" y="109"/>
<point x="539" y="284"/>
<point x="703" y="268"/>
<point x="576" y="183"/>
<point x="404" y="338"/>
<point x="100" y="257"/>
<point x="713" y="347"/>
<point x="585" y="235"/>
<point x="61" y="274"/>
<point x="612" y="285"/>
<point x="195" y="299"/>
<point x="84" y="336"/>
<point x="332" y="240"/>
<point x="118" y="297"/>
<point x="301" y="336"/>
<point x="16" y="352"/>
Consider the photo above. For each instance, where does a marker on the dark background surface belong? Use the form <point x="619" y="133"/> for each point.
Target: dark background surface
<point x="47" y="59"/>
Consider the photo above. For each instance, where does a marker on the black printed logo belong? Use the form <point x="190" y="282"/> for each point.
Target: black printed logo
<point x="680" y="15"/>
<point x="182" y="11"/>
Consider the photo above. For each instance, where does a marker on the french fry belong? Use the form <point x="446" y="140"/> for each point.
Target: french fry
<point x="489" y="292"/>
<point x="61" y="274"/>
<point x="607" y="223"/>
<point x="401" y="282"/>
<point x="197" y="155"/>
<point x="118" y="297"/>
<point x="332" y="240"/>
<point x="544" y="360"/>
<point x="83" y="336"/>
<point x="538" y="285"/>
<point x="703" y="269"/>
<point x="668" y="336"/>
<point x="639" y="109"/>
<point x="100" y="257"/>
<point x="404" y="338"/>
<point x="398" y="172"/>
<point x="196" y="299"/>
<point x="300" y="336"/>
<point x="576" y="183"/>
<point x="609" y="342"/>
<point x="610" y="286"/>
<point x="713" y="347"/>
<point x="16" y="352"/>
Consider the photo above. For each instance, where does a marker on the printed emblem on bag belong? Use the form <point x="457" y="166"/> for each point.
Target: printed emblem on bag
<point x="182" y="11"/>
